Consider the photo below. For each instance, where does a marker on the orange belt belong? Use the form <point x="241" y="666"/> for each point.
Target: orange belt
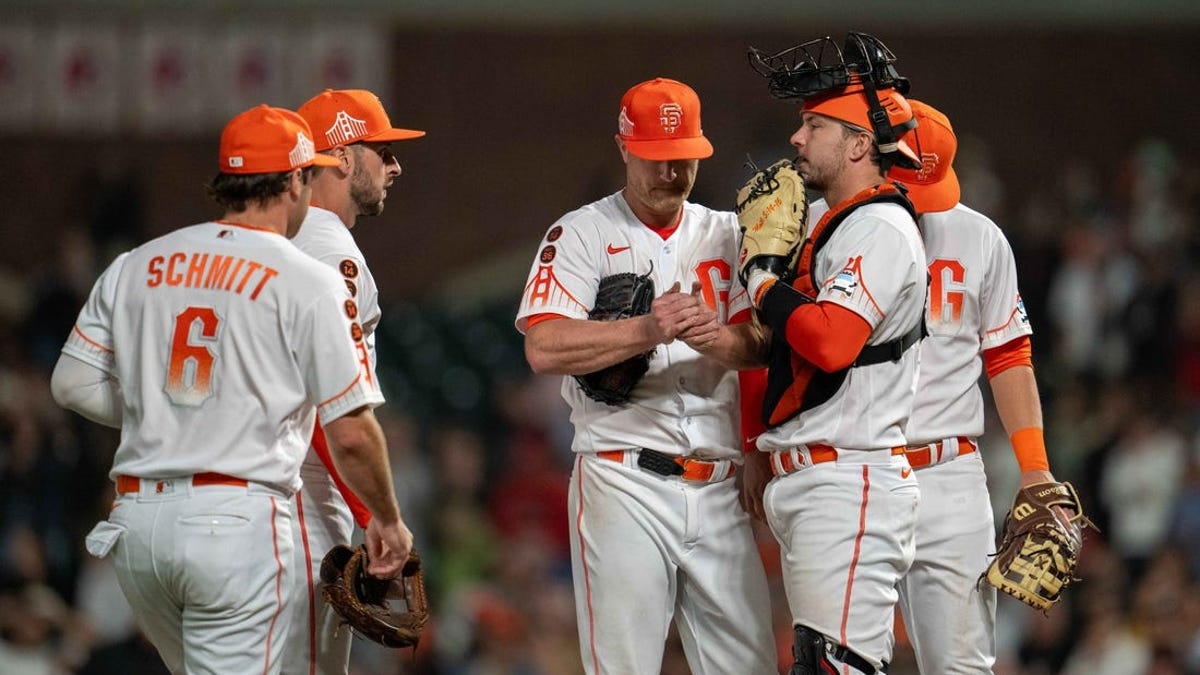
<point x="127" y="484"/>
<point x="920" y="456"/>
<point x="819" y="454"/>
<point x="698" y="470"/>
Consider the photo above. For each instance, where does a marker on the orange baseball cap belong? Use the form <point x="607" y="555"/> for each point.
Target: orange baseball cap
<point x="345" y="116"/>
<point x="660" y="121"/>
<point x="850" y="105"/>
<point x="934" y="187"/>
<point x="268" y="140"/>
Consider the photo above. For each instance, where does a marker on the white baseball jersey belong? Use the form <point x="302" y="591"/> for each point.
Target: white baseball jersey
<point x="685" y="400"/>
<point x="974" y="305"/>
<point x="873" y="265"/>
<point x="191" y="324"/>
<point x="648" y="549"/>
<point x="317" y="642"/>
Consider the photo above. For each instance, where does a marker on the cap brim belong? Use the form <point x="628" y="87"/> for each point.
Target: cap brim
<point x="325" y="160"/>
<point x="395" y="135"/>
<point x="670" y="149"/>
<point x="939" y="196"/>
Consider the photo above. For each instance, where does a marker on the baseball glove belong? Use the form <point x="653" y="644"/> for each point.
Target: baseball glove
<point x="363" y="600"/>
<point x="1038" y="550"/>
<point x="620" y="296"/>
<point x="772" y="211"/>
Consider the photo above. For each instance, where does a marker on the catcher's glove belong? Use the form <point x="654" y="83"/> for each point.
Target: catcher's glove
<point x="772" y="211"/>
<point x="1038" y="549"/>
<point x="362" y="600"/>
<point x="620" y="296"/>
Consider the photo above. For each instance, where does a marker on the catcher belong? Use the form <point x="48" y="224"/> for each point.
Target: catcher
<point x="635" y="297"/>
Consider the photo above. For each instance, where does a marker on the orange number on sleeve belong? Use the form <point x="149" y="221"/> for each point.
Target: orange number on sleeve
<point x="189" y="373"/>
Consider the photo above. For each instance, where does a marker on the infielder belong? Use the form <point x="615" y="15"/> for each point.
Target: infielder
<point x="656" y="532"/>
<point x="214" y="349"/>
<point x="976" y="323"/>
<point x="352" y="127"/>
<point x="843" y="500"/>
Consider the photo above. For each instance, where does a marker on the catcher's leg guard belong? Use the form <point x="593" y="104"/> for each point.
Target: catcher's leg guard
<point x="811" y="651"/>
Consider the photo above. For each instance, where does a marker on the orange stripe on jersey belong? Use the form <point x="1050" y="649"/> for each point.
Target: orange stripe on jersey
<point x="534" y="320"/>
<point x="1015" y="352"/>
<point x="90" y="341"/>
<point x="320" y="444"/>
<point x="545" y="287"/>
<point x="1012" y="315"/>
<point x="278" y="586"/>
<point x="312" y="596"/>
<point x="340" y="393"/>
<point x="587" y="582"/>
<point x="862" y="529"/>
<point x="753" y="384"/>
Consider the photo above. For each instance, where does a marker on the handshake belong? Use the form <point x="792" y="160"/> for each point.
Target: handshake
<point x="772" y="210"/>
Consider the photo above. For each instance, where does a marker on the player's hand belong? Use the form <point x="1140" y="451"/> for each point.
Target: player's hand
<point x="756" y="473"/>
<point x="674" y="312"/>
<point x="705" y="326"/>
<point x="388" y="547"/>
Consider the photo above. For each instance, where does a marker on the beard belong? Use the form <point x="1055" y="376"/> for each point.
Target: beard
<point x="366" y="196"/>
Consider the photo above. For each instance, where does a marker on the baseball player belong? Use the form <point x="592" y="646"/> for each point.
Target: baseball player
<point x="214" y="348"/>
<point x="976" y="323"/>
<point x="839" y="390"/>
<point x="656" y="532"/>
<point x="352" y="127"/>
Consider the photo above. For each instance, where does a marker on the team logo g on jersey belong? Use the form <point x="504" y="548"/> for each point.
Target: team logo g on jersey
<point x="670" y="115"/>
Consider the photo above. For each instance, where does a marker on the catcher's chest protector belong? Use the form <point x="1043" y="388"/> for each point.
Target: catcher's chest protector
<point x="793" y="384"/>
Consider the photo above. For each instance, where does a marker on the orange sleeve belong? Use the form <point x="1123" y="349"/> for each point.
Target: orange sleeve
<point x="827" y="335"/>
<point x="362" y="516"/>
<point x="1016" y="352"/>
<point x="754" y="389"/>
<point x="1029" y="445"/>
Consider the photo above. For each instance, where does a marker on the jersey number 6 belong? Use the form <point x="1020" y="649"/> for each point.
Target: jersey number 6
<point x="189" y="373"/>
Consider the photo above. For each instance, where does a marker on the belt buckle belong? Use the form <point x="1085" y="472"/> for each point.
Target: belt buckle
<point x="659" y="463"/>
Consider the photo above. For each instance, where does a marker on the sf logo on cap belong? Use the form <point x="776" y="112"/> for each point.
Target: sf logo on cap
<point x="670" y="115"/>
<point x="929" y="164"/>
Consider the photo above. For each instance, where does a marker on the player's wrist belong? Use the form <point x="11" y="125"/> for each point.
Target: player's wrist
<point x="759" y="282"/>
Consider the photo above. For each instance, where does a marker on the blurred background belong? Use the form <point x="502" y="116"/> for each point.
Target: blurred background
<point x="1078" y="134"/>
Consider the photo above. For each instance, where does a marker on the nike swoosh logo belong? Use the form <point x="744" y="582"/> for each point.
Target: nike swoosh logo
<point x="905" y="472"/>
<point x="613" y="250"/>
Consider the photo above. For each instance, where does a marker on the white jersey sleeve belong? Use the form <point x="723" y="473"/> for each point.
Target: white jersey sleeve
<point x="91" y="339"/>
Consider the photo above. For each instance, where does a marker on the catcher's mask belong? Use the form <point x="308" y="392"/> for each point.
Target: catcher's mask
<point x="819" y="69"/>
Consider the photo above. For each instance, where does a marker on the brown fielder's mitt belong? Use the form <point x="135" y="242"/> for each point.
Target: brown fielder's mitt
<point x="1038" y="550"/>
<point x="363" y="601"/>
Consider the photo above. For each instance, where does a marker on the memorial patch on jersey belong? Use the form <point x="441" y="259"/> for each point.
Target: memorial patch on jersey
<point x="554" y="233"/>
<point x="350" y="286"/>
<point x="547" y="254"/>
<point x="356" y="332"/>
<point x="351" y="309"/>
<point x="846" y="282"/>
<point x="1022" y="315"/>
<point x="349" y="268"/>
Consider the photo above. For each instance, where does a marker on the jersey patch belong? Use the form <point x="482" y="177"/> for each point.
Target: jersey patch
<point x="1022" y="315"/>
<point x="348" y="268"/>
<point x="554" y="233"/>
<point x="351" y="309"/>
<point x="350" y="286"/>
<point x="356" y="332"/>
<point x="846" y="282"/>
<point x="547" y="255"/>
